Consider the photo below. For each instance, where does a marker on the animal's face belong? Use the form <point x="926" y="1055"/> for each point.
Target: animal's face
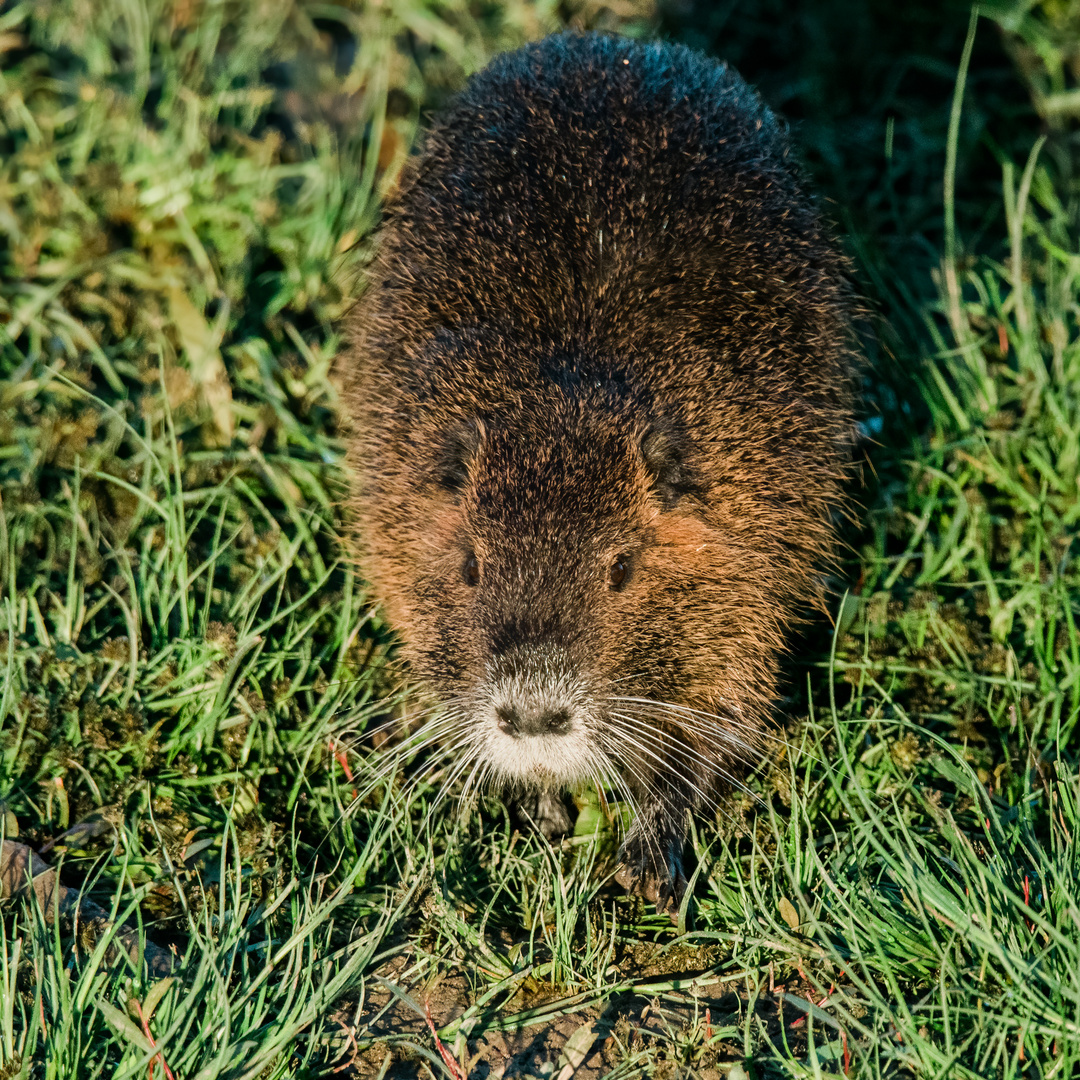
<point x="541" y="569"/>
<point x="553" y="573"/>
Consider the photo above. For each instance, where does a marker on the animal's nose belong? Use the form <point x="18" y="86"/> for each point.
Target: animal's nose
<point x="533" y="721"/>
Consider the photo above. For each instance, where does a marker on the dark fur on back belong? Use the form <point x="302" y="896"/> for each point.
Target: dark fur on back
<point x="605" y="330"/>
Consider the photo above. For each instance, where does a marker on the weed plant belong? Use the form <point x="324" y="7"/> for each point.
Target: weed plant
<point x="193" y="685"/>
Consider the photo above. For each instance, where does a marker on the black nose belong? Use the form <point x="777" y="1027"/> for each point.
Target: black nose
<point x="536" y="721"/>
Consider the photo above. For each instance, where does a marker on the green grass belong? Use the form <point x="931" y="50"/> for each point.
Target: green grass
<point x="190" y="673"/>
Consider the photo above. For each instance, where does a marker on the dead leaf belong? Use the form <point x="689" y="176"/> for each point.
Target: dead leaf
<point x="788" y="913"/>
<point x="207" y="369"/>
<point x="576" y="1050"/>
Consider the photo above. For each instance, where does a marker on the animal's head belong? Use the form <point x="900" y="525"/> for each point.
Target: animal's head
<point x="555" y="584"/>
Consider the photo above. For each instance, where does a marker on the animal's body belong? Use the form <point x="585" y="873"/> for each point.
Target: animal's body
<point x="600" y="395"/>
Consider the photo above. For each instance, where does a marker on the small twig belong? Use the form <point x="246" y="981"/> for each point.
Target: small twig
<point x="456" y="1071"/>
<point x="159" y="1057"/>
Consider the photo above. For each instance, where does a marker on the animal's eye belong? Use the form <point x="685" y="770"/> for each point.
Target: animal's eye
<point x="471" y="571"/>
<point x="617" y="572"/>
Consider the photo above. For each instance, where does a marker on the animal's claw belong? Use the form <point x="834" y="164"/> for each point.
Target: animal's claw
<point x="653" y="872"/>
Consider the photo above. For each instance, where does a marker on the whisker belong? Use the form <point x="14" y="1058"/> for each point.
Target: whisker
<point x="427" y="736"/>
<point x="709" y="799"/>
<point x="411" y="717"/>
<point x="729" y="719"/>
<point x="717" y="727"/>
<point x="644" y="739"/>
<point x="749" y="761"/>
<point x="660" y="794"/>
<point x="385" y="765"/>
<point x="729" y="723"/>
<point x="620" y="785"/>
<point x="477" y="766"/>
<point x="691" y="753"/>
<point x="625" y="678"/>
<point x="444" y="790"/>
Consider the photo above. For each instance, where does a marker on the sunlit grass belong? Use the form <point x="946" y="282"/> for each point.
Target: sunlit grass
<point x="190" y="672"/>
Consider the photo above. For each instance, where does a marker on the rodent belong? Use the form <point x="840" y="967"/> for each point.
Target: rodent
<point x="601" y="394"/>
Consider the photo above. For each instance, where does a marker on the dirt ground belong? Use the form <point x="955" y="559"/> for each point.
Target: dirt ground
<point x="701" y="1033"/>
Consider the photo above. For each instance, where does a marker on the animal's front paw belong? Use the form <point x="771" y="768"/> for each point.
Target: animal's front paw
<point x="653" y="870"/>
<point x="544" y="811"/>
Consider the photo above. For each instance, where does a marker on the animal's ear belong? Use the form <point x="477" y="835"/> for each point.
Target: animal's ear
<point x="460" y="443"/>
<point x="663" y="457"/>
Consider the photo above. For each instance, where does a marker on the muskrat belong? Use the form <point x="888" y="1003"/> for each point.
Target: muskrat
<point x="601" y="392"/>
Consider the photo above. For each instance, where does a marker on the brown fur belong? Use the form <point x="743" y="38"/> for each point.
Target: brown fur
<point x="605" y="325"/>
